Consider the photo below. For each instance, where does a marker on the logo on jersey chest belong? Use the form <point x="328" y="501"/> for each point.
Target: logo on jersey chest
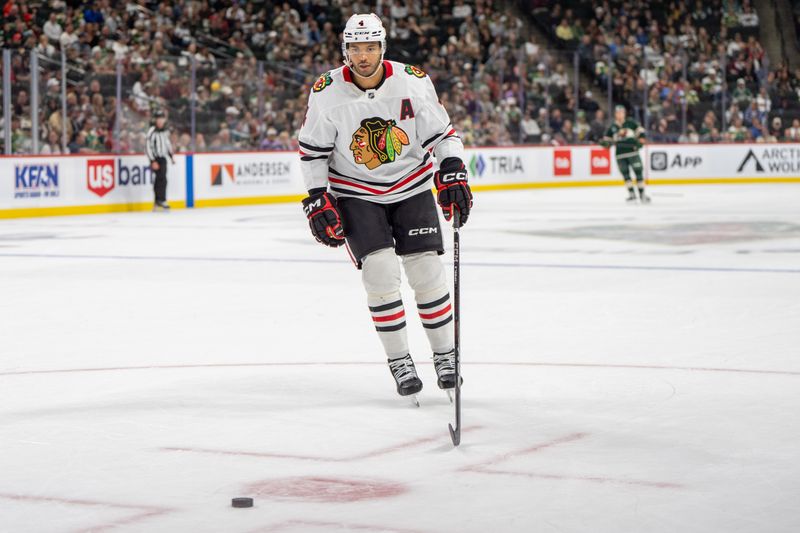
<point x="322" y="82"/>
<point x="377" y="141"/>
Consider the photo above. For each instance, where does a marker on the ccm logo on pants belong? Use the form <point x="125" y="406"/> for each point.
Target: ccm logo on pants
<point x="422" y="231"/>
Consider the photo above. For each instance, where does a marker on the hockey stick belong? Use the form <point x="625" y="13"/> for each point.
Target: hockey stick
<point x="455" y="433"/>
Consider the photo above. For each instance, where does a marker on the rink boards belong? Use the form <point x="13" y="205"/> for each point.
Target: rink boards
<point x="67" y="185"/>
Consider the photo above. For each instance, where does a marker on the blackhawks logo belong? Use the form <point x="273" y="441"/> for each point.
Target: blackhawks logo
<point x="415" y="71"/>
<point x="377" y="141"/>
<point x="322" y="82"/>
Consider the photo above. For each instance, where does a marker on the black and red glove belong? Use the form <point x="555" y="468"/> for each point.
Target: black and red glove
<point x="324" y="218"/>
<point x="453" y="190"/>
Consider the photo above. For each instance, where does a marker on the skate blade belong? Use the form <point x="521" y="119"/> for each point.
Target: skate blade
<point x="450" y="394"/>
<point x="415" y="400"/>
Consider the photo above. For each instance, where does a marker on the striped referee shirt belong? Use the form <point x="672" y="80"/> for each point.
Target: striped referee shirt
<point x="158" y="144"/>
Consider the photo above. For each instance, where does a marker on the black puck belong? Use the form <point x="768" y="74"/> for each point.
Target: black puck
<point x="242" y="502"/>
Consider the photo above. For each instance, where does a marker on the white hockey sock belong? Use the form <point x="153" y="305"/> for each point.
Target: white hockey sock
<point x="380" y="273"/>
<point x="426" y="276"/>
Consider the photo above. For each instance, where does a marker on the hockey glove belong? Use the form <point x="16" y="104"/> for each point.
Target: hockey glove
<point x="452" y="188"/>
<point x="324" y="219"/>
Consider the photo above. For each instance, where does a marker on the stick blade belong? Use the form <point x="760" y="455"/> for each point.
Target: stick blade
<point x="455" y="435"/>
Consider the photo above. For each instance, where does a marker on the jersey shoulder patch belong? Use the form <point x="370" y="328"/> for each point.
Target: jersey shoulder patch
<point x="324" y="81"/>
<point x="411" y="70"/>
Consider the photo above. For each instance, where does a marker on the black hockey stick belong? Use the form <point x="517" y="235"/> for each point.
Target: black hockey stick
<point x="455" y="433"/>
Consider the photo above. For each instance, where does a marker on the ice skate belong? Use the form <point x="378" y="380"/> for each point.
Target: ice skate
<point x="644" y="198"/>
<point x="631" y="196"/>
<point x="405" y="375"/>
<point x="445" y="365"/>
<point x="161" y="206"/>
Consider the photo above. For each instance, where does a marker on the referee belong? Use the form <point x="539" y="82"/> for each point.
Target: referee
<point x="158" y="147"/>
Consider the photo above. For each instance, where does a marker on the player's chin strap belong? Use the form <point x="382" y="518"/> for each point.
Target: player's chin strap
<point x="349" y="64"/>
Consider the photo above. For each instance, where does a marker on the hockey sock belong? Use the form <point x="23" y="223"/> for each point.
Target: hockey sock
<point x="426" y="276"/>
<point x="637" y="168"/>
<point x="381" y="277"/>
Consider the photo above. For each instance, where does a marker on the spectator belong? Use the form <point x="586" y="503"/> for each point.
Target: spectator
<point x="78" y="144"/>
<point x="68" y="38"/>
<point x="691" y="135"/>
<point x="793" y="133"/>
<point x="733" y="113"/>
<point x="582" y="127"/>
<point x="564" y="31"/>
<point x="748" y="18"/>
<point x="285" y="142"/>
<point x="752" y="114"/>
<point x="736" y="132"/>
<point x="52" y="145"/>
<point x="588" y="104"/>
<point x="757" y="129"/>
<point x="556" y="121"/>
<point x="44" y="48"/>
<point x="597" y="128"/>
<point x="531" y="131"/>
<point x="742" y="95"/>
<point x="271" y="141"/>
<point x="461" y="10"/>
<point x="52" y="29"/>
<point x="763" y="101"/>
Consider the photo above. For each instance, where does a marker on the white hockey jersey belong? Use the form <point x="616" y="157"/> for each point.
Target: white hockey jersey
<point x="375" y="144"/>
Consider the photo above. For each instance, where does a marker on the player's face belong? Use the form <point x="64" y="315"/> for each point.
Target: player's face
<point x="364" y="57"/>
<point x="362" y="153"/>
<point x="619" y="115"/>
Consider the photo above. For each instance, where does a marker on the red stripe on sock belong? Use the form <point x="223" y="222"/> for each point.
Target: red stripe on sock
<point x="437" y="314"/>
<point x="389" y="318"/>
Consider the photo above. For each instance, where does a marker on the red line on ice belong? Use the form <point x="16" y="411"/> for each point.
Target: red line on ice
<point x="481" y="468"/>
<point x="324" y="489"/>
<point x="527" y="451"/>
<point x="299" y="525"/>
<point x="367" y="363"/>
<point x="146" y="510"/>
<point x="319" y="458"/>
<point x="595" y="479"/>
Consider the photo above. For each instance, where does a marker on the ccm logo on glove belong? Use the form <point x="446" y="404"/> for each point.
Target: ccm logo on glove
<point x="324" y="219"/>
<point x="316" y="204"/>
<point x="453" y="192"/>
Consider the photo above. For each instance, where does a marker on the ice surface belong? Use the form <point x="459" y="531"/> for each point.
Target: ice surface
<point x="627" y="369"/>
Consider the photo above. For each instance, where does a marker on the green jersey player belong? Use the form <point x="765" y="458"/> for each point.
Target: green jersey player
<point x="628" y="137"/>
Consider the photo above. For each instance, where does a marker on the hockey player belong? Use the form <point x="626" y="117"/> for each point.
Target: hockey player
<point x="367" y="142"/>
<point x="628" y="136"/>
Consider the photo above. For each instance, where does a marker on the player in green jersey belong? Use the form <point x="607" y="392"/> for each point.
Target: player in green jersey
<point x="628" y="136"/>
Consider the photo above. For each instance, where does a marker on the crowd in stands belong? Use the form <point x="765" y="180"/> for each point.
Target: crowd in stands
<point x="252" y="64"/>
<point x="796" y="15"/>
<point x="701" y="55"/>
